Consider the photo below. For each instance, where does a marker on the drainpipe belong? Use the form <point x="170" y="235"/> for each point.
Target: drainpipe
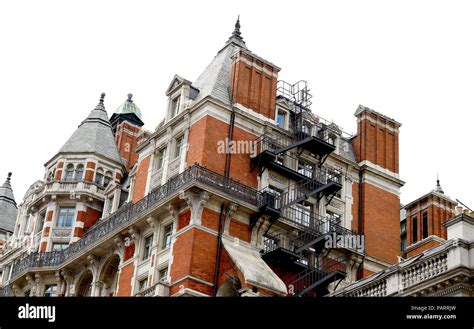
<point x="359" y="223"/>
<point x="219" y="250"/>
<point x="227" y="175"/>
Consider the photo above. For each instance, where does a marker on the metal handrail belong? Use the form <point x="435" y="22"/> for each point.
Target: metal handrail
<point x="129" y="211"/>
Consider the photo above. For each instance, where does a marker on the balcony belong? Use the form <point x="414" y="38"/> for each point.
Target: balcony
<point x="69" y="189"/>
<point x="126" y="215"/>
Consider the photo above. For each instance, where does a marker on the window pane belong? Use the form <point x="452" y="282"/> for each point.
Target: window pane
<point x="147" y="247"/>
<point x="163" y="274"/>
<point x="66" y="217"/>
<point x="281" y="119"/>
<point x="167" y="236"/>
<point x="179" y="143"/>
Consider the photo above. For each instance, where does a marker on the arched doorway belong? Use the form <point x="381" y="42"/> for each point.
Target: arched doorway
<point x="84" y="288"/>
<point x="109" y="276"/>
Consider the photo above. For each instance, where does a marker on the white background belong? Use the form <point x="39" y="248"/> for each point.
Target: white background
<point x="410" y="60"/>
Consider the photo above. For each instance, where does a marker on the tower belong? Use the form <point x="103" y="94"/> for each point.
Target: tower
<point x="422" y="224"/>
<point x="126" y="124"/>
<point x="8" y="211"/>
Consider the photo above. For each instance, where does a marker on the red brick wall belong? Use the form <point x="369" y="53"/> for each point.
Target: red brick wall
<point x="380" y="222"/>
<point x="203" y="141"/>
<point x="254" y="88"/>
<point x="436" y="217"/>
<point x="122" y="138"/>
<point x="183" y="219"/>
<point x="210" y="218"/>
<point x="141" y="178"/>
<point x="194" y="253"/>
<point x="129" y="251"/>
<point x="125" y="280"/>
<point x="376" y="143"/>
<point x="239" y="230"/>
<point x="89" y="174"/>
<point x="422" y="247"/>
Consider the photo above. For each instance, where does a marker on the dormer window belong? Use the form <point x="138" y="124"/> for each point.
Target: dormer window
<point x="175" y="105"/>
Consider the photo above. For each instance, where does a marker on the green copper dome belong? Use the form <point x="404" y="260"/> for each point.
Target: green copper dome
<point x="129" y="107"/>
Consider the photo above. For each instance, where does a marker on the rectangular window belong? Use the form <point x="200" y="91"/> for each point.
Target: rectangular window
<point x="281" y="119"/>
<point x="163" y="274"/>
<point x="414" y="229"/>
<point x="305" y="168"/>
<point x="178" y="147"/>
<point x="303" y="213"/>
<point x="175" y="105"/>
<point x="160" y="158"/>
<point x="147" y="247"/>
<point x="168" y="232"/>
<point x="274" y="196"/>
<point x="66" y="217"/>
<point x="60" y="246"/>
<point x="40" y="222"/>
<point x="142" y="284"/>
<point x="425" y="225"/>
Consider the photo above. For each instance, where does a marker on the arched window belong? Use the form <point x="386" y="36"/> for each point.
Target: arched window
<point x="99" y="175"/>
<point x="79" y="172"/>
<point x="107" y="178"/>
<point x="69" y="173"/>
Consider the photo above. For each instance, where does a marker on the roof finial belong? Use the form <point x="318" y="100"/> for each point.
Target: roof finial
<point x="438" y="185"/>
<point x="130" y="98"/>
<point x="236" y="32"/>
<point x="102" y="96"/>
<point x="7" y="182"/>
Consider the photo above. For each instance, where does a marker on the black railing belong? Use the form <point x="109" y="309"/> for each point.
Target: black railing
<point x="310" y="227"/>
<point x="307" y="187"/>
<point x="282" y="143"/>
<point x="306" y="280"/>
<point x="128" y="212"/>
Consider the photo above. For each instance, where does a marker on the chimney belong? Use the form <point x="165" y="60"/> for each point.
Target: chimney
<point x="376" y="142"/>
<point x="254" y="83"/>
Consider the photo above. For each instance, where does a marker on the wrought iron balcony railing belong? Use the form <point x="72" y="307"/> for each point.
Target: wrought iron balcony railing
<point x="128" y="212"/>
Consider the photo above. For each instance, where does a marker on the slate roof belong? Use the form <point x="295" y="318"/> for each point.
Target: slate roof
<point x="94" y="135"/>
<point x="8" y="209"/>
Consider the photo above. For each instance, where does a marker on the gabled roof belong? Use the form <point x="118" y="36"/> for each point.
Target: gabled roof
<point x="94" y="135"/>
<point x="8" y="209"/>
<point x="175" y="82"/>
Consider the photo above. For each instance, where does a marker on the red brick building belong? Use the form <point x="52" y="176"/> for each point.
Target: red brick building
<point x="241" y="190"/>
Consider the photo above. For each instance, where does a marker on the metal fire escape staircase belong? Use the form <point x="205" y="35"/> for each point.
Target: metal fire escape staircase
<point x="308" y="230"/>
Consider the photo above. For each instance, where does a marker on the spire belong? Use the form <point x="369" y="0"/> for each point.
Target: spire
<point x="101" y="106"/>
<point x="94" y="135"/>
<point x="8" y="209"/>
<point x="7" y="182"/>
<point x="236" y="36"/>
<point x="438" y="185"/>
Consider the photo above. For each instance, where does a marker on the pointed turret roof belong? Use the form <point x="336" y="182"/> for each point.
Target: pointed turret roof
<point x="8" y="209"/>
<point x="94" y="135"/>
<point x="215" y="80"/>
